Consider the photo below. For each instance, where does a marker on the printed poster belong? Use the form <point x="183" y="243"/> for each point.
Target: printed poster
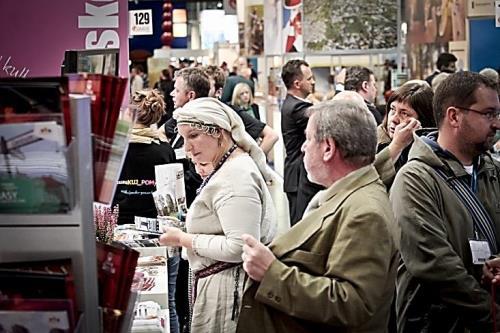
<point x="348" y="25"/>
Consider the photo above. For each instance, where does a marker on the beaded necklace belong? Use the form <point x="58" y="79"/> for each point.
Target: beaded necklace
<point x="222" y="160"/>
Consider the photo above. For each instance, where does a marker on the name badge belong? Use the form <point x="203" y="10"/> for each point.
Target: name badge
<point x="180" y="153"/>
<point x="480" y="251"/>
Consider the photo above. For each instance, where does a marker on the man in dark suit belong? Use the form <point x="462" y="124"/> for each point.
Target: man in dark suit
<point x="299" y="81"/>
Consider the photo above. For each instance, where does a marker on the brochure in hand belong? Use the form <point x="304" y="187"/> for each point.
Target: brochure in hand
<point x="170" y="194"/>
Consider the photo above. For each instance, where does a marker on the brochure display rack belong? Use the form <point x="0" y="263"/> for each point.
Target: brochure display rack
<point x="31" y="237"/>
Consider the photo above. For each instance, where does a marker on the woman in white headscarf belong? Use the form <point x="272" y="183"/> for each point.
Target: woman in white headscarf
<point x="233" y="199"/>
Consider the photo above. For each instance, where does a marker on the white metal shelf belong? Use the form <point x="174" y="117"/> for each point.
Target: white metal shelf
<point x="27" y="237"/>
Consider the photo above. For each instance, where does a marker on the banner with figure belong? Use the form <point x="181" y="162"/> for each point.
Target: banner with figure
<point x="292" y="26"/>
<point x="431" y="25"/>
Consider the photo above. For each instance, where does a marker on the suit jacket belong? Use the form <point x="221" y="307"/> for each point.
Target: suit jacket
<point x="376" y="113"/>
<point x="335" y="270"/>
<point x="293" y="126"/>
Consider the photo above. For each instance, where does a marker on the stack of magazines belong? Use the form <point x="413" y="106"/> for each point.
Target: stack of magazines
<point x="144" y="233"/>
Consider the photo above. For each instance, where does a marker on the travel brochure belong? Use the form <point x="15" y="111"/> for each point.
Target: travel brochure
<point x="34" y="321"/>
<point x="116" y="265"/>
<point x="34" y="168"/>
<point x="33" y="99"/>
<point x="170" y="194"/>
<point x="35" y="131"/>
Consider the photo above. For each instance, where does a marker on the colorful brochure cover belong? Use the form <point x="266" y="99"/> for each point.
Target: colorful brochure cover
<point x="33" y="169"/>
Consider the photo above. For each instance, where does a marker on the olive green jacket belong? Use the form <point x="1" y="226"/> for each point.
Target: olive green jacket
<point x="438" y="287"/>
<point x="335" y="269"/>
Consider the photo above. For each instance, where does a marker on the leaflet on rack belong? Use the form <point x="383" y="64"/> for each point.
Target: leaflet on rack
<point x="116" y="265"/>
<point x="34" y="169"/>
<point x="111" y="124"/>
<point x="33" y="99"/>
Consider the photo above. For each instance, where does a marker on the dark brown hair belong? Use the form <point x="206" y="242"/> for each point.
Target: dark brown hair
<point x="355" y="76"/>
<point x="458" y="90"/>
<point x="150" y="106"/>
<point x="217" y="74"/>
<point x="292" y="71"/>
<point x="419" y="97"/>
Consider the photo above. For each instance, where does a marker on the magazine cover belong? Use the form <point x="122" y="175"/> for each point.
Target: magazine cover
<point x="36" y="315"/>
<point x="29" y="99"/>
<point x="116" y="265"/>
<point x="34" y="321"/>
<point x="33" y="169"/>
<point x="49" y="272"/>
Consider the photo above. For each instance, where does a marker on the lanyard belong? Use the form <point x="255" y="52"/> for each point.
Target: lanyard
<point x="473" y="186"/>
<point x="473" y="181"/>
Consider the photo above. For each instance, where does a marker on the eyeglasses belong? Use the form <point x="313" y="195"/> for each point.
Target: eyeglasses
<point x="490" y="115"/>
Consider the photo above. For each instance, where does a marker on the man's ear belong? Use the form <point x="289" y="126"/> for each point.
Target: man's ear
<point x="364" y="86"/>
<point x="218" y="93"/>
<point x="296" y="84"/>
<point x="191" y="95"/>
<point x="329" y="149"/>
<point x="453" y="116"/>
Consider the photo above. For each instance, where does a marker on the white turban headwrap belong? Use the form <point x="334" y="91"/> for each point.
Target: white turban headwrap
<point x="212" y="112"/>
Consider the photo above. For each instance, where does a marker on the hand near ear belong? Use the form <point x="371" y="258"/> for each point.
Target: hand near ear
<point x="403" y="137"/>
